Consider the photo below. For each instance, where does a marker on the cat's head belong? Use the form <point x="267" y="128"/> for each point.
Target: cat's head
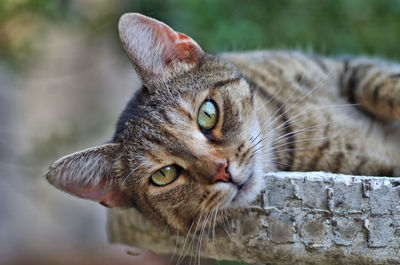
<point x="184" y="145"/>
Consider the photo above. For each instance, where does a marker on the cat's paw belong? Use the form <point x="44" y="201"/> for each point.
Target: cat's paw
<point x="393" y="97"/>
<point x="386" y="97"/>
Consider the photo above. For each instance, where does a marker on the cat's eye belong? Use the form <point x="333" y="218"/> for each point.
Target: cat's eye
<point x="165" y="175"/>
<point x="208" y="115"/>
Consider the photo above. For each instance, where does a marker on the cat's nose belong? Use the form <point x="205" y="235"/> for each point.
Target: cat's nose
<point x="223" y="173"/>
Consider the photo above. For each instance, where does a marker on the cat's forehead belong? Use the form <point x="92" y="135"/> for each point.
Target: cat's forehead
<point x="210" y="69"/>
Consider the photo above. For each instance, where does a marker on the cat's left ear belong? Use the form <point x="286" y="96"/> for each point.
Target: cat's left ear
<point x="155" y="49"/>
<point x="90" y="174"/>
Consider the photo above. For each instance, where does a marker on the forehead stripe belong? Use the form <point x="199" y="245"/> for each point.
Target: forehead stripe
<point x="226" y="82"/>
<point x="185" y="112"/>
<point x="176" y="145"/>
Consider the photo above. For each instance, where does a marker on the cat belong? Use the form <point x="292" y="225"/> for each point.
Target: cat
<point x="202" y="131"/>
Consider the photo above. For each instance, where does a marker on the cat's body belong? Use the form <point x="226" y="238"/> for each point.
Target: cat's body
<point x="199" y="135"/>
<point x="313" y="95"/>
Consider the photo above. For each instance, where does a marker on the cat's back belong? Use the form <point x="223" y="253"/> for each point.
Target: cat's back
<point x="293" y="74"/>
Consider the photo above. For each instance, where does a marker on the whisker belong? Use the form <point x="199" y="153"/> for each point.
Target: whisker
<point x="213" y="232"/>
<point x="166" y="228"/>
<point x="225" y="226"/>
<point x="227" y="222"/>
<point x="310" y="110"/>
<point x="306" y="112"/>
<point x="256" y="150"/>
<point x="202" y="235"/>
<point x="180" y="259"/>
<point x="208" y="231"/>
<point x="270" y="99"/>
<point x="281" y="106"/>
<point x="196" y="257"/>
<point x="193" y="240"/>
<point x="292" y="149"/>
<point x="294" y="89"/>
<point x="302" y="98"/>
<point x="300" y="131"/>
<point x="282" y="163"/>
<point x="297" y="121"/>
<point x="288" y="143"/>
<point x="304" y="130"/>
<point x="253" y="139"/>
<point x="256" y="144"/>
<point x="130" y="173"/>
<point x="298" y="141"/>
<point x="175" y="249"/>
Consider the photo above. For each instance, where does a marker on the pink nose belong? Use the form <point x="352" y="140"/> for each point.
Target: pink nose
<point x="222" y="175"/>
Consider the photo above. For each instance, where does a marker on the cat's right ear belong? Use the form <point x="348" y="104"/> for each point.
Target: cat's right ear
<point x="90" y="174"/>
<point x="156" y="50"/>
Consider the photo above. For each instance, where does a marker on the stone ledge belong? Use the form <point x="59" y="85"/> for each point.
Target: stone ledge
<point x="301" y="218"/>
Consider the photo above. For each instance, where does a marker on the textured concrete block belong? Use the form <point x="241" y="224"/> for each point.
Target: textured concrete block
<point x="314" y="195"/>
<point x="279" y="191"/>
<point x="348" y="197"/>
<point x="345" y="229"/>
<point x="314" y="231"/>
<point x="281" y="228"/>
<point x="301" y="218"/>
<point x="380" y="231"/>
<point x="382" y="198"/>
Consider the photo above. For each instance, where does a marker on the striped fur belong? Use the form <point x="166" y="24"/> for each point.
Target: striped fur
<point x="279" y="110"/>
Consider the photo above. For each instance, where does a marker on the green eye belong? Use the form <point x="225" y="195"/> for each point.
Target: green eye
<point x="165" y="175"/>
<point x="208" y="115"/>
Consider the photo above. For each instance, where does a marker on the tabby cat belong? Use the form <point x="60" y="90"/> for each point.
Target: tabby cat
<point x="204" y="128"/>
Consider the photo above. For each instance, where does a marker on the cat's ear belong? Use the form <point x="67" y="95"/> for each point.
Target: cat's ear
<point x="89" y="174"/>
<point x="154" y="48"/>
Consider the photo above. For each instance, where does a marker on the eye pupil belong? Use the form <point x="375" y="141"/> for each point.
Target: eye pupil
<point x="208" y="115"/>
<point x="162" y="173"/>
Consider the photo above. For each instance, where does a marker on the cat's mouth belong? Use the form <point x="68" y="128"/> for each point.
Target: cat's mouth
<point x="241" y="187"/>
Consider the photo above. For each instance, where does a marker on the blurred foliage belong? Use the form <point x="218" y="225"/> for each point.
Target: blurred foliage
<point x="329" y="27"/>
<point x="20" y="24"/>
<point x="24" y="24"/>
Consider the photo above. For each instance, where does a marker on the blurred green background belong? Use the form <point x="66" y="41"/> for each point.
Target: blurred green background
<point x="64" y="78"/>
<point x="329" y="27"/>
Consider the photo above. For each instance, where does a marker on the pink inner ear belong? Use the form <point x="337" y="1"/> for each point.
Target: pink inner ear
<point x="109" y="197"/>
<point x="183" y="49"/>
<point x="178" y="46"/>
